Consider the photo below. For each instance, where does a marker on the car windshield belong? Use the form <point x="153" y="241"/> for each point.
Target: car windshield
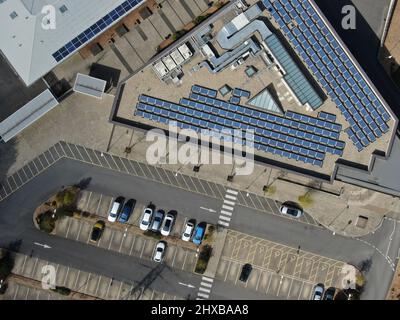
<point x="113" y="215"/>
<point x="292" y="212"/>
<point x="145" y="223"/>
<point x="159" y="249"/>
<point x="167" y="224"/>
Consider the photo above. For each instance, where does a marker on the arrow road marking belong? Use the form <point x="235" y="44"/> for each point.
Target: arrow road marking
<point x="208" y="209"/>
<point x="42" y="245"/>
<point x="187" y="285"/>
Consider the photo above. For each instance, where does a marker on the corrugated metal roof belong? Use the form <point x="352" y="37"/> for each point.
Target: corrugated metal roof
<point x="89" y="85"/>
<point x="294" y="77"/>
<point x="27" y="115"/>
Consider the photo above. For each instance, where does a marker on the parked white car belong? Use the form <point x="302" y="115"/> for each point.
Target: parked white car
<point x="188" y="231"/>
<point x="159" y="251"/>
<point x="167" y="225"/>
<point x="291" y="211"/>
<point x="146" y="219"/>
<point x="115" y="209"/>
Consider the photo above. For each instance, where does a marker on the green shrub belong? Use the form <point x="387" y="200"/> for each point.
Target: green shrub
<point x="62" y="290"/>
<point x="66" y="197"/>
<point x="203" y="259"/>
<point x="200" y="19"/>
<point x="152" y="234"/>
<point x="210" y="232"/>
<point x="178" y="34"/>
<point x="46" y="222"/>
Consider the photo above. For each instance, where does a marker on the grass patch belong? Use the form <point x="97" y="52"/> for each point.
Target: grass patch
<point x="152" y="234"/>
<point x="306" y="200"/>
<point x="270" y="190"/>
<point x="46" y="222"/>
<point x="202" y="261"/>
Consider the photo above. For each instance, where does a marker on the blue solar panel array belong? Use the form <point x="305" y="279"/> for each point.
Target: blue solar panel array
<point x="327" y="116"/>
<point x="241" y="93"/>
<point x="275" y="134"/>
<point x="204" y="91"/>
<point x="332" y="67"/>
<point x="234" y="100"/>
<point x="95" y="29"/>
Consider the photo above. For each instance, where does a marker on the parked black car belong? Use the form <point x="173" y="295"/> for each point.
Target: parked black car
<point x="246" y="270"/>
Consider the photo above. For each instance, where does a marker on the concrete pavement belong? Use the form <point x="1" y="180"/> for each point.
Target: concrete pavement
<point x="16" y="223"/>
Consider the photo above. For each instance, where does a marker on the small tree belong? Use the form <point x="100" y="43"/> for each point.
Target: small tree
<point x="306" y="200"/>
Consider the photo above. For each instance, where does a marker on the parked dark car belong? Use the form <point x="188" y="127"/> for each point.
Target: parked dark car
<point x="157" y="221"/>
<point x="330" y="293"/>
<point x="246" y="270"/>
<point x="97" y="231"/>
<point x="127" y="211"/>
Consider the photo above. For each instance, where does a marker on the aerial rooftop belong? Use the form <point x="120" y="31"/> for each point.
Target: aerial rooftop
<point x="33" y="50"/>
<point x="331" y="110"/>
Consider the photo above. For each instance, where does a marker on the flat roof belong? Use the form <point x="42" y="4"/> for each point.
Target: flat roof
<point x="30" y="48"/>
<point x="89" y="85"/>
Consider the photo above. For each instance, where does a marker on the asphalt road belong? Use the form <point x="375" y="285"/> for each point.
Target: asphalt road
<point x="16" y="224"/>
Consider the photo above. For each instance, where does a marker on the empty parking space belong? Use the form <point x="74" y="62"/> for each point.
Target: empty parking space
<point x="277" y="269"/>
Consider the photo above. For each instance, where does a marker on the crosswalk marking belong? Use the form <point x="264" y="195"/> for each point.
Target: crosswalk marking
<point x="204" y="284"/>
<point x="228" y="196"/>
<point x="232" y="192"/>
<point x="205" y="288"/>
<point x="207" y="279"/>
<point x="227" y="207"/>
<point x="223" y="223"/>
<point x="231" y="203"/>
<point x="225" y="218"/>
<point x="203" y="295"/>
<point x="227" y="213"/>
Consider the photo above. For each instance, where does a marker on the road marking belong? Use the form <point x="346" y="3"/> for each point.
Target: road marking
<point x="69" y="225"/>
<point x="203" y="295"/>
<point x="226" y="213"/>
<point x="205" y="284"/>
<point x="228" y="196"/>
<point x="234" y="192"/>
<point x="111" y="240"/>
<point x="227" y="207"/>
<point x="173" y="260"/>
<point x="225" y="218"/>
<point x="223" y="223"/>
<point x="144" y="244"/>
<point x="207" y="279"/>
<point x="230" y="203"/>
<point x="66" y="276"/>
<point x="79" y="232"/>
<point x="205" y="290"/>
<point x="133" y="242"/>
<point x="184" y="260"/>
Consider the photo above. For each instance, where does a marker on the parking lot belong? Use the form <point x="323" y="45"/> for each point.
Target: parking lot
<point x="127" y="238"/>
<point x="77" y="280"/>
<point x="277" y="269"/>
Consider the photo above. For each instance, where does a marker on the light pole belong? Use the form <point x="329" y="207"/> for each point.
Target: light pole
<point x="248" y="187"/>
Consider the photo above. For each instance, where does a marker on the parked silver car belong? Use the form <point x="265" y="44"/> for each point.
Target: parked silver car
<point x="157" y="220"/>
<point x="167" y="225"/>
<point x="318" y="292"/>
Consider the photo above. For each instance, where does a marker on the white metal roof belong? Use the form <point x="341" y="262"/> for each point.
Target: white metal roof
<point x="29" y="47"/>
<point x="27" y="115"/>
<point x="89" y="85"/>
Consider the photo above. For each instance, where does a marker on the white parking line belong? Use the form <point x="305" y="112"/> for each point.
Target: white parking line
<point x="87" y="283"/>
<point x="258" y="280"/>
<point x="69" y="225"/>
<point x="119" y="290"/>
<point x="173" y="260"/>
<point x="144" y="244"/>
<point x="108" y="288"/>
<point x="27" y="293"/>
<point x="152" y="295"/>
<point x="111" y="240"/>
<point x="16" y="292"/>
<point x="184" y="260"/>
<point x="133" y="242"/>
<point x="66" y="276"/>
<point x="122" y="242"/>
<point x="79" y="232"/>
<point x="76" y="280"/>
<point x="97" y="287"/>
<point x="98" y="204"/>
